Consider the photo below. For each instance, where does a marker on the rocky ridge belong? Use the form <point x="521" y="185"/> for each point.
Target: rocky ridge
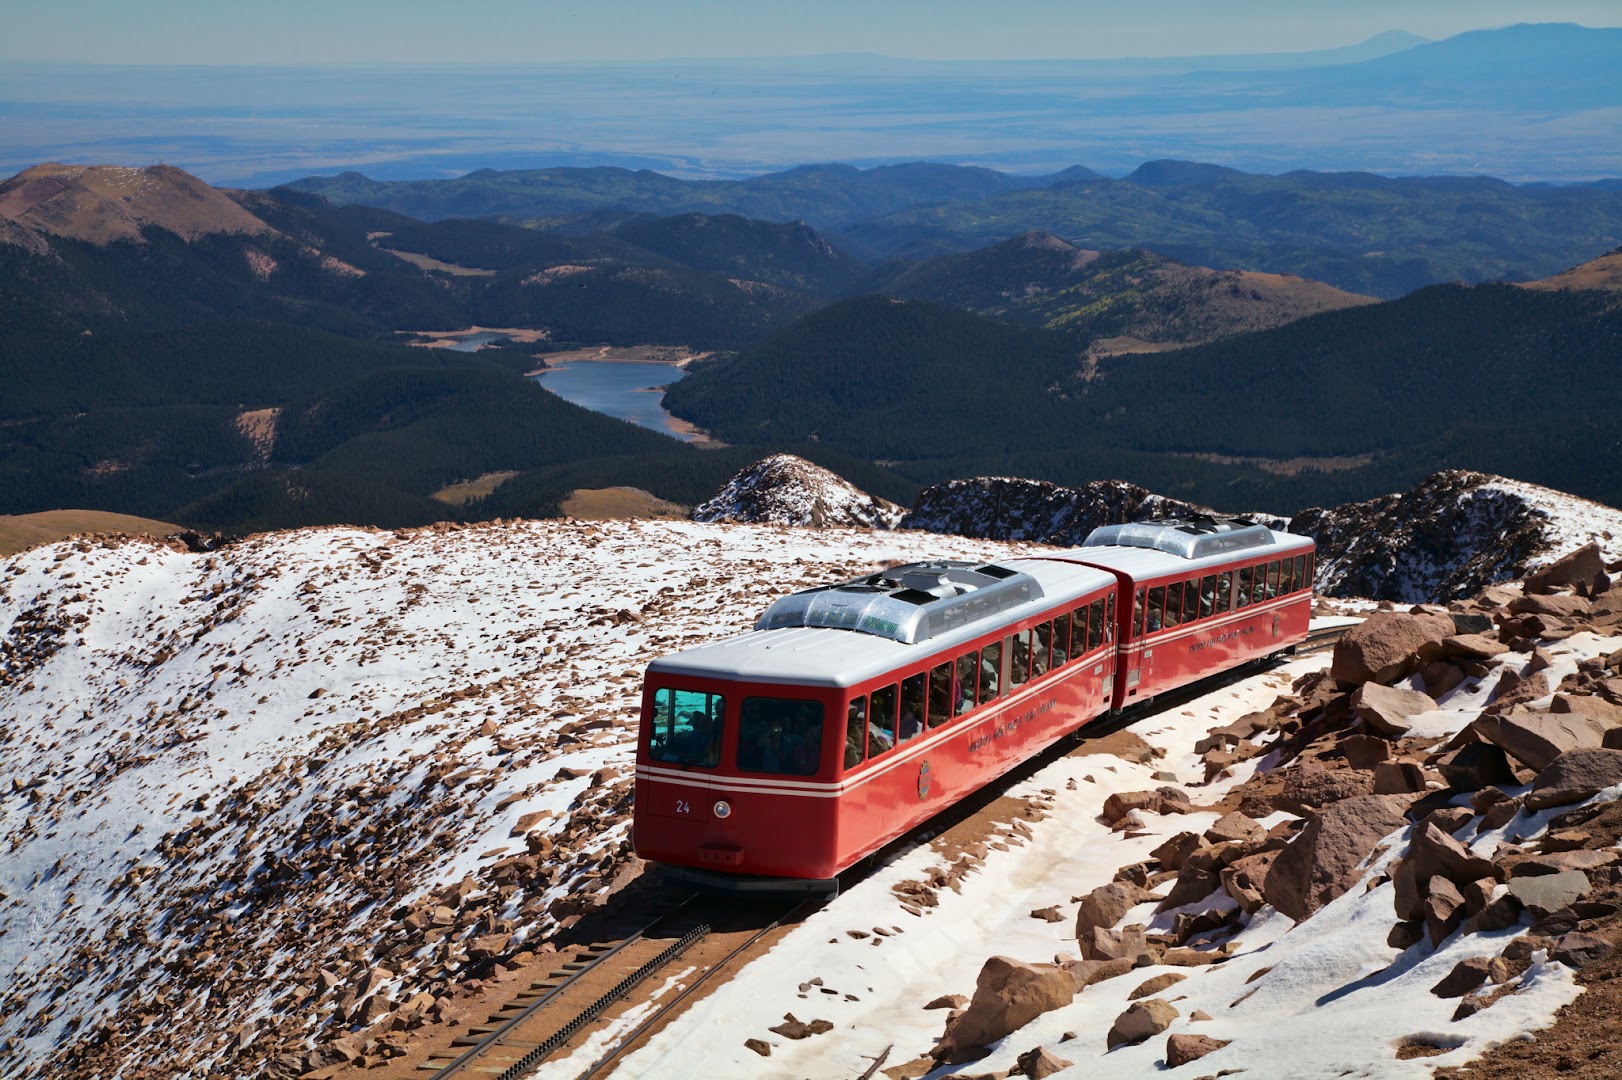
<point x="103" y="203"/>
<point x="786" y="490"/>
<point x="1011" y="508"/>
<point x="1452" y="535"/>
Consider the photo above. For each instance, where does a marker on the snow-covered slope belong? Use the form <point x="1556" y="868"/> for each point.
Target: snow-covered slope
<point x="1012" y="508"/>
<point x="1450" y="536"/>
<point x="251" y="797"/>
<point x="786" y="490"/>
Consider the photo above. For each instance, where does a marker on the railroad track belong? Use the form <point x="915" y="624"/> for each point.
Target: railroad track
<point x="553" y="1012"/>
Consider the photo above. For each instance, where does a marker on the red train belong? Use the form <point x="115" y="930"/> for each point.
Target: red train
<point x="853" y="712"/>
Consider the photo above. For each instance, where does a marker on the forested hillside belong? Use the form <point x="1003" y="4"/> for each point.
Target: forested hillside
<point x="1494" y="378"/>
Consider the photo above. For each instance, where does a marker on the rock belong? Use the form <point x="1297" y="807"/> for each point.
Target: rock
<point x="1583" y="566"/>
<point x="1364" y="751"/>
<point x="1140" y="1022"/>
<point x="1476" y="765"/>
<point x="1471" y="647"/>
<point x="1312" y="785"/>
<point x="1535" y="864"/>
<point x="1444" y="910"/>
<point x="1244" y="880"/>
<point x="1405" y="934"/>
<point x="1086" y="972"/>
<point x="1547" y="893"/>
<point x="759" y="1046"/>
<point x="1440" y="677"/>
<point x="1008" y="994"/>
<point x="1233" y="827"/>
<point x="1521" y="949"/>
<point x="1448" y="818"/>
<point x="1181" y="1049"/>
<point x="1171" y="854"/>
<point x="1151" y="987"/>
<point x="1513" y="690"/>
<point x="792" y="1028"/>
<point x="1105" y="905"/>
<point x="1578" y="949"/>
<point x="1324" y="859"/>
<point x="1574" y="776"/>
<point x="1590" y="706"/>
<point x="1193" y="883"/>
<point x="1047" y="914"/>
<point x="1398" y="778"/>
<point x="1563" y="606"/>
<point x="1386" y="710"/>
<point x="1122" y="803"/>
<point x="948" y="1001"/>
<point x="1039" y="1063"/>
<point x="1434" y="853"/>
<point x="1536" y="739"/>
<point x="1384" y="647"/>
<point x="1465" y="977"/>
<point x="1101" y="943"/>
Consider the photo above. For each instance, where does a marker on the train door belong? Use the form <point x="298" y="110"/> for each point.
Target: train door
<point x="684" y="742"/>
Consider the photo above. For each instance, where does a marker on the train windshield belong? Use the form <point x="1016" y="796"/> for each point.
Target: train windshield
<point x="782" y="736"/>
<point x="686" y="727"/>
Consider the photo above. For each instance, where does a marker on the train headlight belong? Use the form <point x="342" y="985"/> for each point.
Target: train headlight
<point x="723" y="809"/>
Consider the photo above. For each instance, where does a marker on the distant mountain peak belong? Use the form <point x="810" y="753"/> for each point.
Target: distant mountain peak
<point x="1043" y="240"/>
<point x="103" y="203"/>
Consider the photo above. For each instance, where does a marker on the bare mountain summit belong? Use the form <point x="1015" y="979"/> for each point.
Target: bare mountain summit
<point x="787" y="490"/>
<point x="1013" y="508"/>
<point x="1604" y="273"/>
<point x="103" y="203"/>
<point x="1452" y="535"/>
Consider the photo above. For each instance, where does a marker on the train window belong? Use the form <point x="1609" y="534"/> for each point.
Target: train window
<point x="780" y="735"/>
<point x="940" y="694"/>
<point x="1191" y="599"/>
<point x="991" y="671"/>
<point x="1019" y="663"/>
<point x="686" y="727"/>
<point x="1242" y="597"/>
<point x="1157" y="601"/>
<point x="1223" y="588"/>
<point x="1286" y="576"/>
<point x="1042" y="650"/>
<point x="1300" y="571"/>
<point x="1258" y="592"/>
<point x="968" y="665"/>
<point x="1138" y="606"/>
<point x="1207" y="595"/>
<point x="1174" y="605"/>
<point x="881" y="721"/>
<point x="1109" y="618"/>
<point x="1272" y="579"/>
<point x="1061" y="640"/>
<point x="1307" y="577"/>
<point x="856" y="732"/>
<point x="912" y="706"/>
<point x="1095" y="623"/>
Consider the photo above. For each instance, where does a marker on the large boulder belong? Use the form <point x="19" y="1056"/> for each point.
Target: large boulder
<point x="1574" y="776"/>
<point x="1181" y="1049"/>
<point x="1581" y="567"/>
<point x="1385" y="646"/>
<point x="1141" y="1022"/>
<point x="1388" y="710"/>
<point x="1310" y="785"/>
<point x="1536" y="739"/>
<point x="1104" y="906"/>
<point x="1324" y="858"/>
<point x="1007" y="995"/>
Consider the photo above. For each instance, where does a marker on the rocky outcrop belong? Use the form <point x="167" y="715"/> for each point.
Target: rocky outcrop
<point x="786" y="490"/>
<point x="1323" y="861"/>
<point x="1011" y="508"/>
<point x="1452" y="535"/>
<point x="1385" y="647"/>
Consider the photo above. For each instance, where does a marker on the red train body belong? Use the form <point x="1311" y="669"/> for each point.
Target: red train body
<point x="854" y="712"/>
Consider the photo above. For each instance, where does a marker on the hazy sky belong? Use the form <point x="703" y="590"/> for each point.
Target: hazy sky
<point x="372" y="31"/>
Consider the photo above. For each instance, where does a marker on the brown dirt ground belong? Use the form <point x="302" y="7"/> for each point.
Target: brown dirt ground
<point x="32" y="530"/>
<point x="614" y="503"/>
<point x="465" y="492"/>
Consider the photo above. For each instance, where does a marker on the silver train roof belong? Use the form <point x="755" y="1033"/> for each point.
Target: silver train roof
<point x="909" y="603"/>
<point x="1190" y="538"/>
<point x="839" y="655"/>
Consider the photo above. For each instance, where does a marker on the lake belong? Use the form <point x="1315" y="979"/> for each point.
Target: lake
<point x="618" y="389"/>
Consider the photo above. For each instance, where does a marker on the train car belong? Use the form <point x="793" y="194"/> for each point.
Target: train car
<point x="1207" y="595"/>
<point x="778" y="758"/>
<point x="856" y="711"/>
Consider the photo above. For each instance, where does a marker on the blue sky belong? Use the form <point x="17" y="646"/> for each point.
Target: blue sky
<point x="506" y="31"/>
